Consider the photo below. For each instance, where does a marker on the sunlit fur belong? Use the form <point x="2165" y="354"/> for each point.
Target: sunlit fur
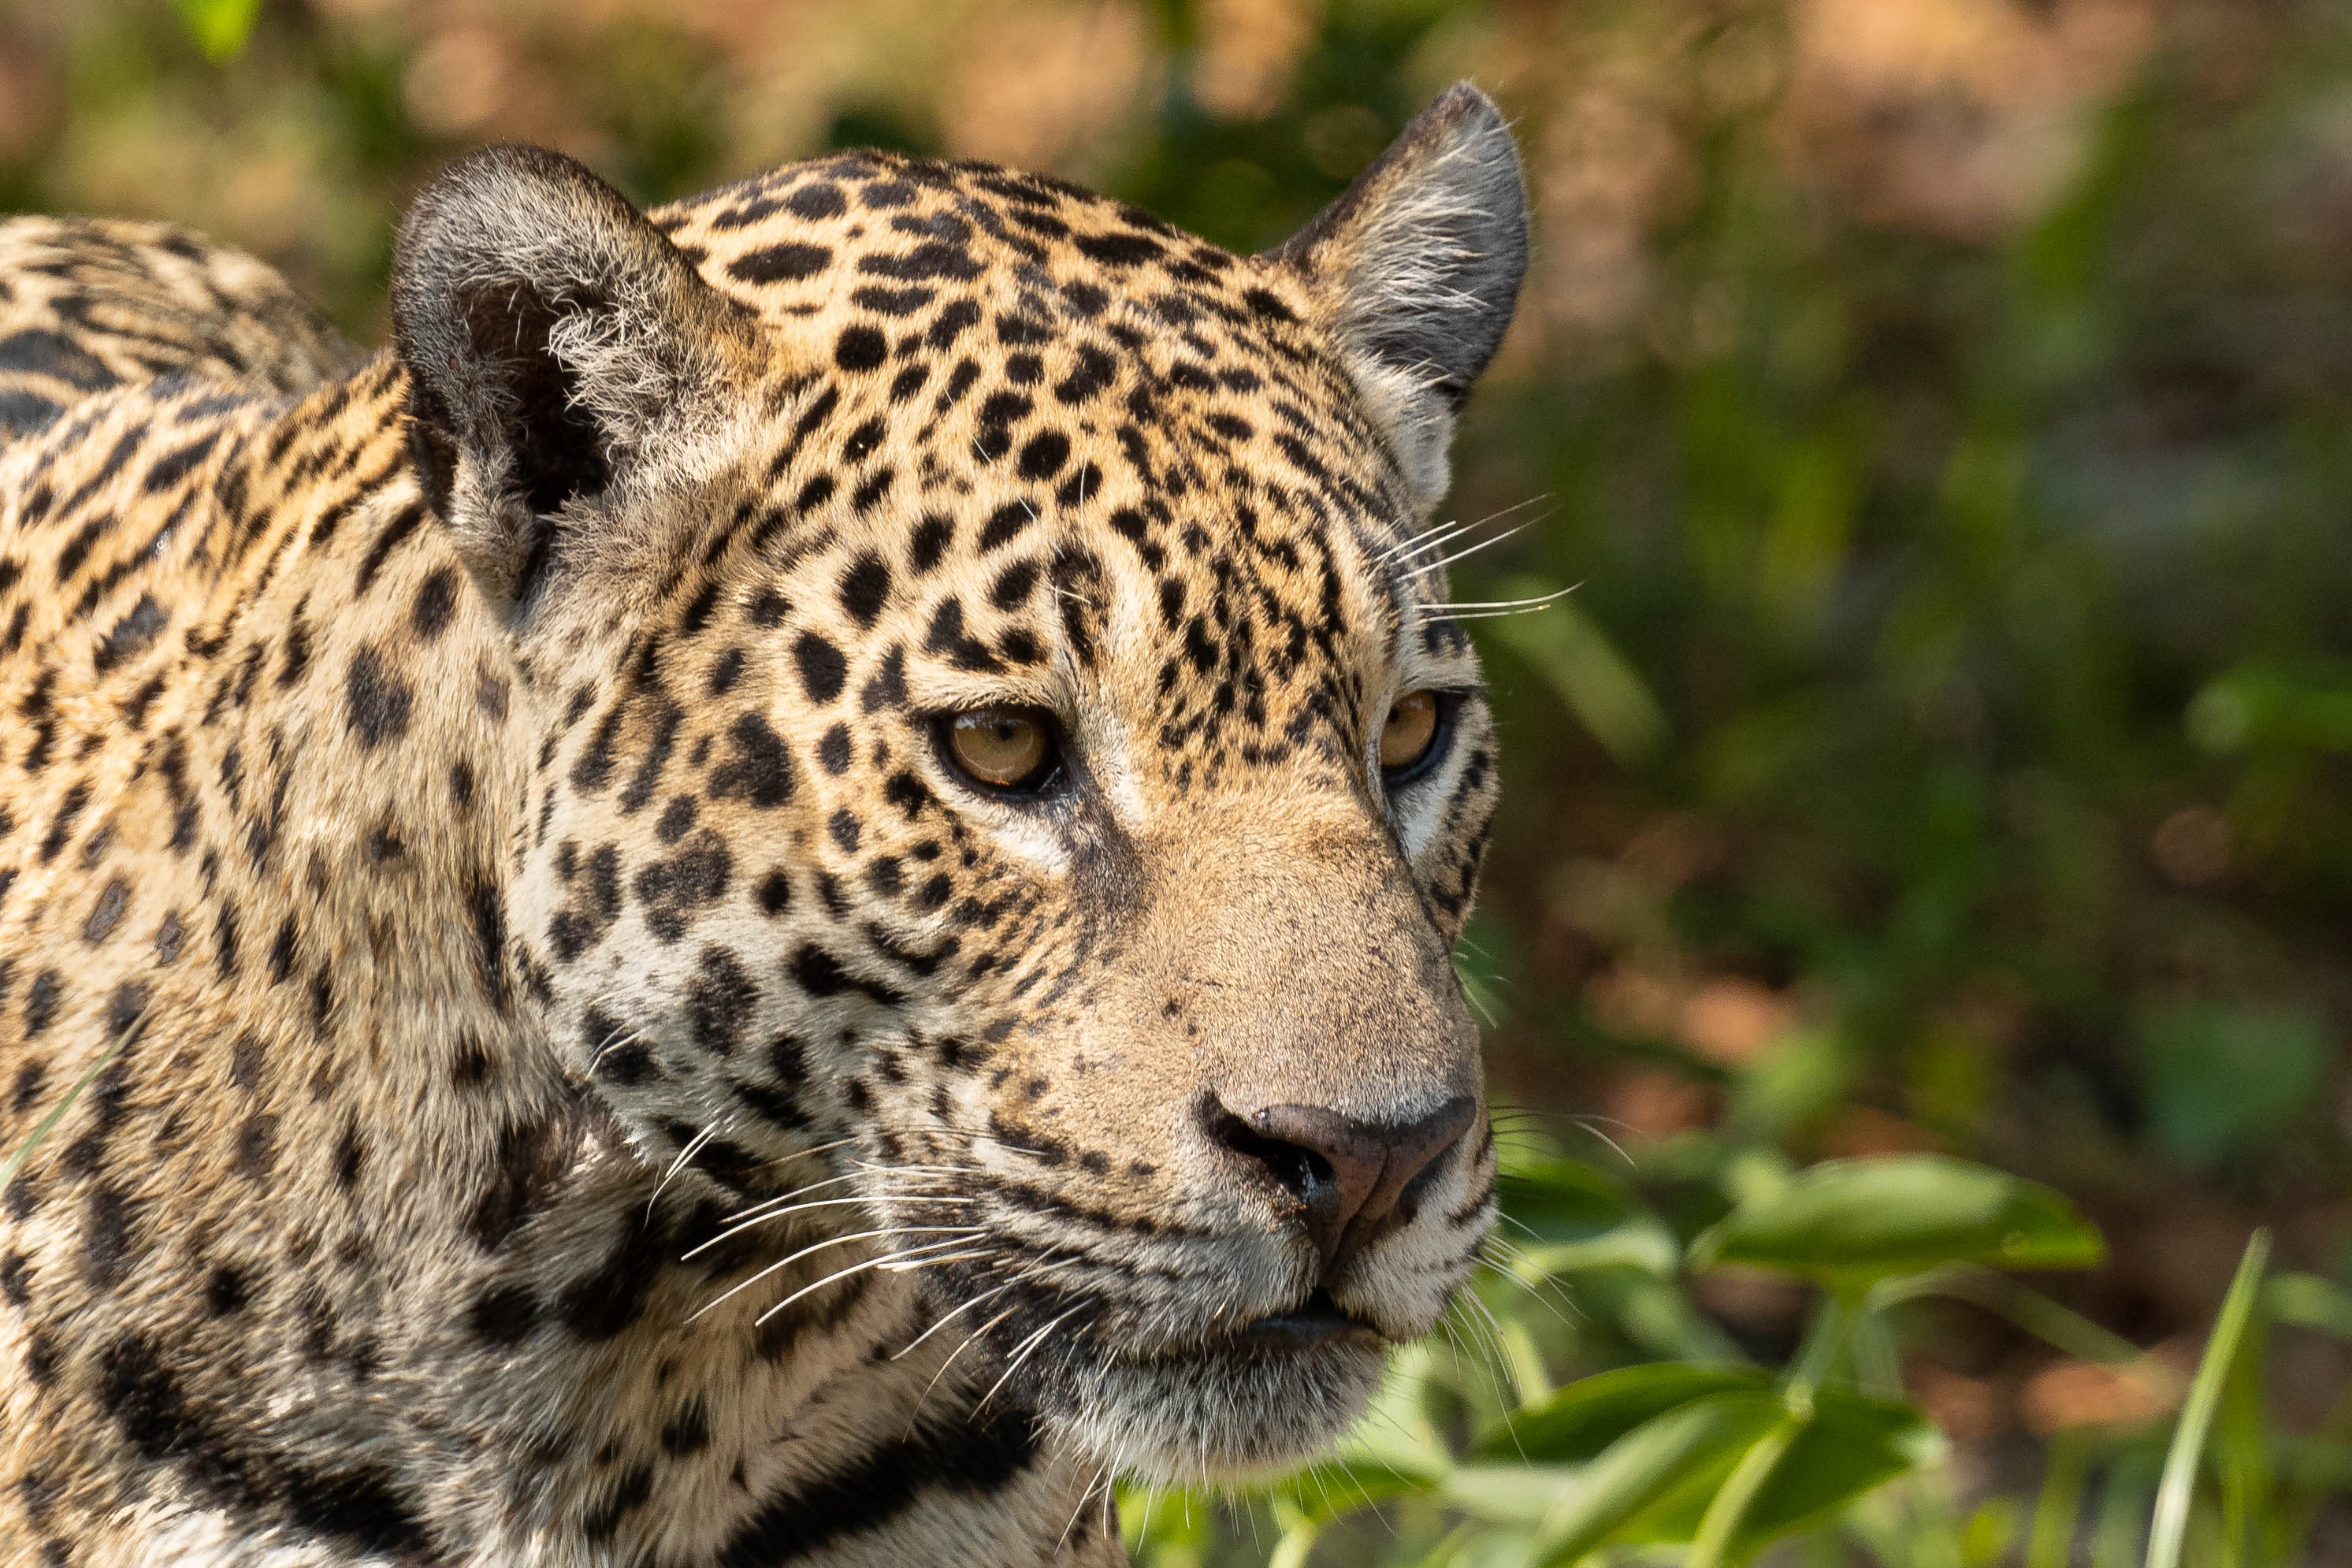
<point x="595" y="1083"/>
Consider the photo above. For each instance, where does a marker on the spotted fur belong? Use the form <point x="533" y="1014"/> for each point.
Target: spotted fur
<point x="575" y="1075"/>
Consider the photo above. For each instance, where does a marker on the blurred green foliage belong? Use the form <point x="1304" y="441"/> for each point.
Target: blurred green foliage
<point x="1939" y="409"/>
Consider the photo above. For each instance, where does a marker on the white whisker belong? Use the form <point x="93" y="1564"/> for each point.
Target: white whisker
<point x="1021" y="1353"/>
<point x="820" y="1247"/>
<point x="845" y="1273"/>
<point x="943" y="1322"/>
<point x="798" y="1208"/>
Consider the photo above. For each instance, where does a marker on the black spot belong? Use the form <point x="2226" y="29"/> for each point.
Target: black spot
<point x="1267" y="303"/>
<point x="725" y="672"/>
<point x="601" y="1305"/>
<point x="1013" y="586"/>
<point x="227" y="1291"/>
<point x="845" y="830"/>
<point x="256" y="1145"/>
<point x="816" y="200"/>
<point x="132" y="634"/>
<point x="780" y="263"/>
<point x="935" y="259"/>
<point x="870" y="492"/>
<point x="860" y="348"/>
<point x="1043" y="457"/>
<point x="767" y="608"/>
<point x="823" y="668"/>
<point x="688" y="1432"/>
<point x="172" y="468"/>
<point x="864" y="586"/>
<point x="1119" y="250"/>
<point x="863" y="440"/>
<point x="489" y="922"/>
<point x="930" y="542"/>
<point x="436" y="602"/>
<point x="955" y="318"/>
<point x="350" y="1156"/>
<point x="908" y="793"/>
<point x="360" y="1506"/>
<point x="773" y="893"/>
<point x="761" y="769"/>
<point x="832" y="752"/>
<point x="674" y="890"/>
<point x="49" y="352"/>
<point x="629" y="1494"/>
<point x="377" y="703"/>
<point x="697" y="614"/>
<point x="885" y="688"/>
<point x="41" y="1001"/>
<point x="1006" y="522"/>
<point x="719" y="1003"/>
<point x="819" y="973"/>
<point x="892" y="301"/>
<point x="504" y="1315"/>
<point x="676" y="818"/>
<point x="1094" y="372"/>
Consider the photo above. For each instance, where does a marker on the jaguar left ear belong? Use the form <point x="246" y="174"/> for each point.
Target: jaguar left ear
<point x="1415" y="269"/>
<point x="554" y="337"/>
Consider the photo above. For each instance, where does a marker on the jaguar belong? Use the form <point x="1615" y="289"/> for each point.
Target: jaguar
<point x="781" y="891"/>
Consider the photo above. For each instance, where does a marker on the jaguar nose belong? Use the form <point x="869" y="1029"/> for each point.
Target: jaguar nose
<point x="1353" y="1180"/>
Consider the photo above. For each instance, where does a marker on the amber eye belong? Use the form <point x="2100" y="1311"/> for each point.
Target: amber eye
<point x="1410" y="735"/>
<point x="1004" y="748"/>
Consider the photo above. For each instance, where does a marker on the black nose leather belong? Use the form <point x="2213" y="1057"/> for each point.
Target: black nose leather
<point x="1354" y="1180"/>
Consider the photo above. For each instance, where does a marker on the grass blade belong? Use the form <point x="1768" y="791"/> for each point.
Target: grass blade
<point x="43" y="1127"/>
<point x="2058" y="1512"/>
<point x="1725" y="1514"/>
<point x="2179" y="1487"/>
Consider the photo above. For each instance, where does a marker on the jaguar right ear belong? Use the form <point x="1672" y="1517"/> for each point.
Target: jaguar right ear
<point x="552" y="337"/>
<point x="1415" y="271"/>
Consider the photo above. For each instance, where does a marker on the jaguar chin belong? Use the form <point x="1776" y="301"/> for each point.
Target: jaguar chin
<point x="1252" y="1403"/>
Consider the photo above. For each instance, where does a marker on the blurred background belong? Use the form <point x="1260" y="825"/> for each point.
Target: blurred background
<point x="1940" y="405"/>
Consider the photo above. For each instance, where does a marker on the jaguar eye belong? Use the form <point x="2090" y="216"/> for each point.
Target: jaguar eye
<point x="1004" y="748"/>
<point x="1409" y="738"/>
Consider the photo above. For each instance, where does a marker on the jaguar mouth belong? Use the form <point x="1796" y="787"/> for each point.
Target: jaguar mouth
<point x="1316" y="1321"/>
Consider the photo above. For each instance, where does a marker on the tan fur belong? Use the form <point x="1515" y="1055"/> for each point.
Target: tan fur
<point x="488" y="799"/>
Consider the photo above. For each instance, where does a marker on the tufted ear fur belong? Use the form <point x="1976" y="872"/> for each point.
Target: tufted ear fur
<point x="1415" y="269"/>
<point x="554" y="337"/>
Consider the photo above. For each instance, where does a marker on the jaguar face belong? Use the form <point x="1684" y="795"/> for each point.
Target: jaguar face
<point x="1027" y="823"/>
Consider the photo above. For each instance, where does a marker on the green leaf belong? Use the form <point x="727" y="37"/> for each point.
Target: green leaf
<point x="1511" y="1493"/>
<point x="1850" y="1222"/>
<point x="220" y="27"/>
<point x="1580" y="1421"/>
<point x="1659" y="1483"/>
<point x="1852" y="1445"/>
<point x="1665" y="1470"/>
